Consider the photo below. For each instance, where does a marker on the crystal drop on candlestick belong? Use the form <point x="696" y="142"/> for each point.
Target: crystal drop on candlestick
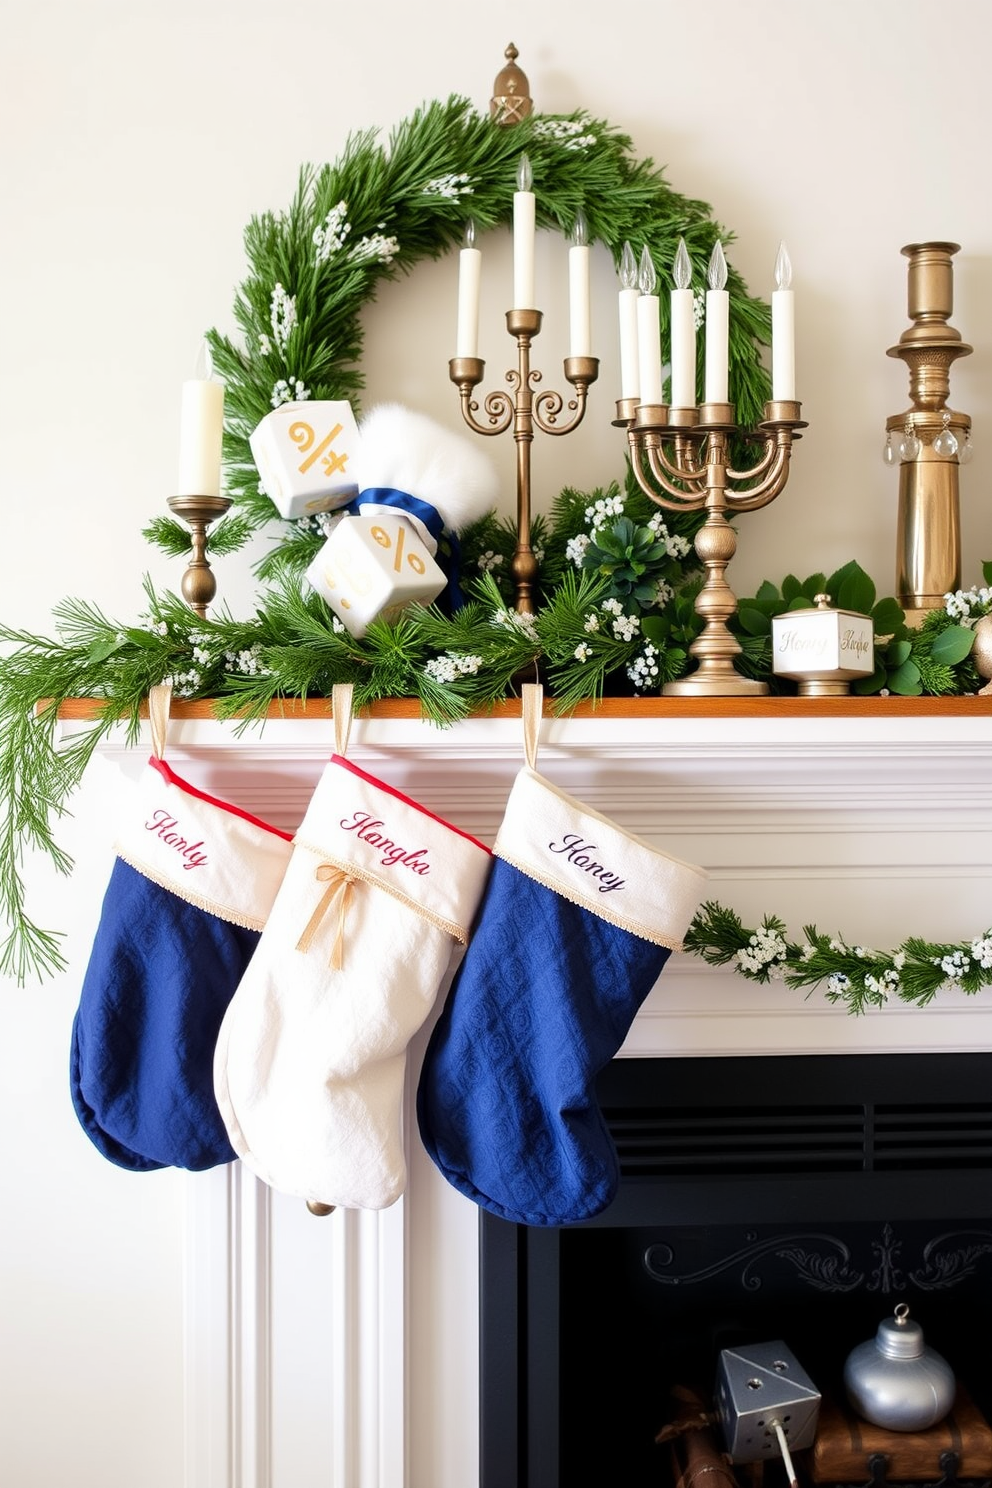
<point x="966" y="451"/>
<point x="889" y="451"/>
<point x="946" y="444"/>
<point x="909" y="446"/>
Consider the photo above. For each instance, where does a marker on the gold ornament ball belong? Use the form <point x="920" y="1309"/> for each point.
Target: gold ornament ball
<point x="981" y="649"/>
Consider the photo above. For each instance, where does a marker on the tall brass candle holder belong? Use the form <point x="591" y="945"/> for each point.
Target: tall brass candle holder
<point x="199" y="583"/>
<point x="930" y="440"/>
<point x="681" y="460"/>
<point x="525" y="411"/>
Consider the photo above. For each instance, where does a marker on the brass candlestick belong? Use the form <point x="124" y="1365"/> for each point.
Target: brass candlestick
<point x="199" y="584"/>
<point x="681" y="459"/>
<point x="525" y="411"/>
<point x="929" y="440"/>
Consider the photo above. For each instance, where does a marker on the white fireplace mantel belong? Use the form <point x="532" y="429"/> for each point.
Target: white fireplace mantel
<point x="342" y="1352"/>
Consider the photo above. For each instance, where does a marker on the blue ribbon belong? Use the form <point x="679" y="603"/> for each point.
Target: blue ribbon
<point x="408" y="505"/>
<point x="403" y="502"/>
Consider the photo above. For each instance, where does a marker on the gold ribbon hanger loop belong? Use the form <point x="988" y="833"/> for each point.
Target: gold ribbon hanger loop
<point x="159" y="705"/>
<point x="531" y="712"/>
<point x="342" y="701"/>
<point x="339" y="886"/>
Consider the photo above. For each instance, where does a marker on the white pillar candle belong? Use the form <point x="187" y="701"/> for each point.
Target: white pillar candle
<point x="524" y="219"/>
<point x="717" y="375"/>
<point x="469" y="281"/>
<point x="579" y="303"/>
<point x="630" y="382"/>
<point x="683" y="333"/>
<point x="201" y="428"/>
<point x="648" y="334"/>
<point x="783" y="330"/>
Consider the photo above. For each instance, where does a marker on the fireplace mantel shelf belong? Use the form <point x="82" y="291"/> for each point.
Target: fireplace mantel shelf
<point x="975" y="705"/>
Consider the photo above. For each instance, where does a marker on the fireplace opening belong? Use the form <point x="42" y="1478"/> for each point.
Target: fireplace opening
<point x="761" y="1198"/>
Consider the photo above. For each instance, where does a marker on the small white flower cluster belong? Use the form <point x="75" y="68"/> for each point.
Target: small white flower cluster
<point x="663" y="594"/>
<point x="604" y="511"/>
<point x="765" y="951"/>
<point x="247" y="662"/>
<point x="675" y="546"/>
<point x="885" y="985"/>
<point x="329" y="238"/>
<point x="582" y="652"/>
<point x="981" y="950"/>
<point x="453" y="185"/>
<point x="838" y="982"/>
<point x="954" y="966"/>
<point x="625" y="627"/>
<point x="516" y="620"/>
<point x="963" y="603"/>
<point x="592" y="623"/>
<point x="450" y="666"/>
<point x="375" y="246"/>
<point x="186" y="684"/>
<point x="571" y="134"/>
<point x="489" y="560"/>
<point x="289" y="391"/>
<point x="159" y="627"/>
<point x="643" y="670"/>
<point x="575" y="548"/>
<point x="282" y="315"/>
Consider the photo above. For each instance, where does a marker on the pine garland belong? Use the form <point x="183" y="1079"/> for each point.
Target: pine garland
<point x="854" y="975"/>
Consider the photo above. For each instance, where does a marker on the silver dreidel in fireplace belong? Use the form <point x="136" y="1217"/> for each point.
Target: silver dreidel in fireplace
<point x="766" y="1402"/>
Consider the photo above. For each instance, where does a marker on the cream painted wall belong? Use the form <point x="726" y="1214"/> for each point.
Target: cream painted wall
<point x="135" y="143"/>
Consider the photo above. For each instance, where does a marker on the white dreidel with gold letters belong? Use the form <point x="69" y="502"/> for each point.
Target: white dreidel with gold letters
<point x="305" y="454"/>
<point x="392" y="545"/>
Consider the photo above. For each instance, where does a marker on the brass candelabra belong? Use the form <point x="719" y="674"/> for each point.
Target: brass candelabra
<point x="681" y="460"/>
<point x="525" y="411"/>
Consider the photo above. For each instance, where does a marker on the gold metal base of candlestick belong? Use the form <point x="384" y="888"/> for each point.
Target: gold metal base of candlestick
<point x="199" y="584"/>
<point x="724" y="682"/>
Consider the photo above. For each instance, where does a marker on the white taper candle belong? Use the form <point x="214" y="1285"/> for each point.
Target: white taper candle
<point x="469" y="282"/>
<point x="717" y="373"/>
<point x="783" y="330"/>
<point x="648" y="333"/>
<point x="683" y="333"/>
<point x="201" y="429"/>
<point x="579" y="299"/>
<point x="630" y="381"/>
<point x="524" y="221"/>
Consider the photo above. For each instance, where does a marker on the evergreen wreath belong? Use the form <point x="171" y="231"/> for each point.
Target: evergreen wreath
<point x="618" y="579"/>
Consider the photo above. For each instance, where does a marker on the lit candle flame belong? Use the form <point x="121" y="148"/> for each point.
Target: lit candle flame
<point x="525" y="174"/>
<point x="716" y="274"/>
<point x="783" y="268"/>
<point x="682" y="270"/>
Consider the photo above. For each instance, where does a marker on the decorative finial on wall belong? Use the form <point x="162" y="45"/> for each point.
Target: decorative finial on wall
<point x="511" y="100"/>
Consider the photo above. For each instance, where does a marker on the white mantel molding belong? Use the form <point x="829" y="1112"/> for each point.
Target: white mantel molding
<point x="342" y="1352"/>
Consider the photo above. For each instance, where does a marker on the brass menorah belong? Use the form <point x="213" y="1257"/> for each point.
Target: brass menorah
<point x="681" y="460"/>
<point x="526" y="411"/>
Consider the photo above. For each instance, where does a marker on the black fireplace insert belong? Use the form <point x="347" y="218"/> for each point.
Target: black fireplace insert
<point x="761" y="1198"/>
